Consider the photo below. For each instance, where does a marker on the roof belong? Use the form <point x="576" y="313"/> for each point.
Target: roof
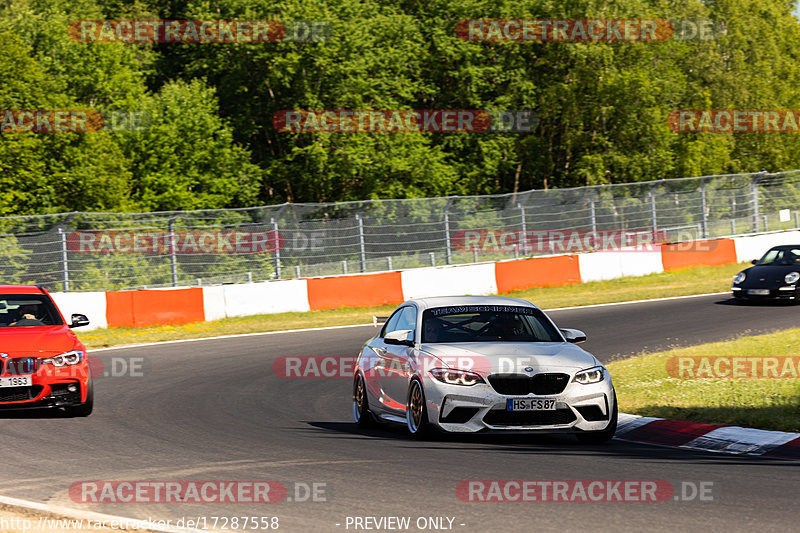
<point x="441" y="301"/>
<point x="785" y="247"/>
<point x="20" y="289"/>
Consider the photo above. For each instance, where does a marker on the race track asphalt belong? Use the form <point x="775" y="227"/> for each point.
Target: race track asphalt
<point x="215" y="410"/>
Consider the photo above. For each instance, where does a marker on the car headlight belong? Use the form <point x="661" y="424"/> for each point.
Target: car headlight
<point x="792" y="277"/>
<point x="590" y="375"/>
<point x="738" y="278"/>
<point x="70" y="358"/>
<point x="456" y="377"/>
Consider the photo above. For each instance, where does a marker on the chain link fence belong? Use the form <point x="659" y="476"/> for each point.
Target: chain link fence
<point x="106" y="251"/>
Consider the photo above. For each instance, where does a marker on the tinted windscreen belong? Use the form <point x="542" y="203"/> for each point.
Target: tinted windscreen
<point x="487" y="323"/>
<point x="19" y="310"/>
<point x="781" y="257"/>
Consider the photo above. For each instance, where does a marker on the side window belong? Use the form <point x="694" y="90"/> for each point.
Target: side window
<point x="408" y="319"/>
<point x="390" y="324"/>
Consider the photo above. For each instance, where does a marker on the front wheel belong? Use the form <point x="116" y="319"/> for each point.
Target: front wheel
<point x="360" y="403"/>
<point x="416" y="414"/>
<point x="604" y="435"/>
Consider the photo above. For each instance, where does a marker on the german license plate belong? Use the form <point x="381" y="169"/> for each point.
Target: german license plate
<point x="531" y="404"/>
<point x="16" y="381"/>
<point x="758" y="292"/>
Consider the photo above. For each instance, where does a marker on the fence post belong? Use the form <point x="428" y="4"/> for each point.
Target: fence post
<point x="64" y="258"/>
<point x="362" y="253"/>
<point x="653" y="208"/>
<point x="277" y="248"/>
<point x="754" y="198"/>
<point x="703" y="216"/>
<point x="523" y="237"/>
<point x="173" y="259"/>
<point x="447" y="251"/>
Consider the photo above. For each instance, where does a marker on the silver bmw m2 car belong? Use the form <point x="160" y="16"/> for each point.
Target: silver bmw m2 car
<point x="474" y="363"/>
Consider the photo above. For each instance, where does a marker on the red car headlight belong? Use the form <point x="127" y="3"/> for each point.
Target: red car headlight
<point x="73" y="357"/>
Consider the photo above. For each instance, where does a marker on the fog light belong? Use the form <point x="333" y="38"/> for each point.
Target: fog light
<point x="72" y="388"/>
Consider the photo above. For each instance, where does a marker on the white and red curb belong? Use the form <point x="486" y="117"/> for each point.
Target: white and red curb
<point x="708" y="437"/>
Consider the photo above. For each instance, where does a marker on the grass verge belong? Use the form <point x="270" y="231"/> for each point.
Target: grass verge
<point x="697" y="280"/>
<point x="644" y="386"/>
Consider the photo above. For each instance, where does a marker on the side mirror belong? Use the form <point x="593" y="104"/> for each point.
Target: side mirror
<point x="575" y="336"/>
<point x="754" y="261"/>
<point x="401" y="337"/>
<point x="79" y="320"/>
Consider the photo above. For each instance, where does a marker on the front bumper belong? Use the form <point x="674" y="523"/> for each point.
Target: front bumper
<point x="50" y="388"/>
<point x="782" y="293"/>
<point x="459" y="409"/>
<point x="41" y="396"/>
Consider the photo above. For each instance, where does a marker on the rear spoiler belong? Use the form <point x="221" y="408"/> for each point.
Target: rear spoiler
<point x="378" y="320"/>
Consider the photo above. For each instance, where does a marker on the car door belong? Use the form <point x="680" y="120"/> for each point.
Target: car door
<point x="395" y="363"/>
<point x="373" y="360"/>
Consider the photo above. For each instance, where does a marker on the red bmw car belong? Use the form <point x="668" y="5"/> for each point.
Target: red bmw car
<point x="42" y="362"/>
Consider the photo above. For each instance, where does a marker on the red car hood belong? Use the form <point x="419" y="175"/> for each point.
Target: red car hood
<point x="44" y="339"/>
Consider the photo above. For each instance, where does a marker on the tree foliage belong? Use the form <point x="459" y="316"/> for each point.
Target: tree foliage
<point x="210" y="141"/>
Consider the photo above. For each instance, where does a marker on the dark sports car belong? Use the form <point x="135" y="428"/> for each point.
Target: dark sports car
<point x="774" y="276"/>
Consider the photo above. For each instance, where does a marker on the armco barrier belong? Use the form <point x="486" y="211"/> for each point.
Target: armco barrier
<point x="754" y="246"/>
<point x="360" y="290"/>
<point x="698" y="253"/>
<point x="91" y="304"/>
<point x="601" y="266"/>
<point x="154" y="307"/>
<point x="449" y="281"/>
<point x="537" y="272"/>
<point x="177" y="306"/>
<point x="256" y="298"/>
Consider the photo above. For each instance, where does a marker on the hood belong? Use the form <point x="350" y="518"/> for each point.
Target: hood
<point x="769" y="273"/>
<point x="500" y="357"/>
<point x="44" y="340"/>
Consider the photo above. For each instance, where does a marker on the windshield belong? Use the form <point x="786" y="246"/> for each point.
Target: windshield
<point x="487" y="323"/>
<point x="18" y="310"/>
<point x="778" y="256"/>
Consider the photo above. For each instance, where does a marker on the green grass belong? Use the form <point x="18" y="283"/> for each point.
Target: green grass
<point x="696" y="280"/>
<point x="645" y="388"/>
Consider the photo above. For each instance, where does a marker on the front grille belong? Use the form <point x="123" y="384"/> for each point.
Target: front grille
<point x="521" y="384"/>
<point x="529" y="418"/>
<point x="22" y="365"/>
<point x="19" y="394"/>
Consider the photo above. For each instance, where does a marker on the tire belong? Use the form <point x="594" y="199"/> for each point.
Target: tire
<point x="361" y="413"/>
<point x="416" y="413"/>
<point x="604" y="435"/>
<point x="84" y="409"/>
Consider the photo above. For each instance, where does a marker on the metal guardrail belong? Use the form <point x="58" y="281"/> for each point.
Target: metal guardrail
<point x="104" y="251"/>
